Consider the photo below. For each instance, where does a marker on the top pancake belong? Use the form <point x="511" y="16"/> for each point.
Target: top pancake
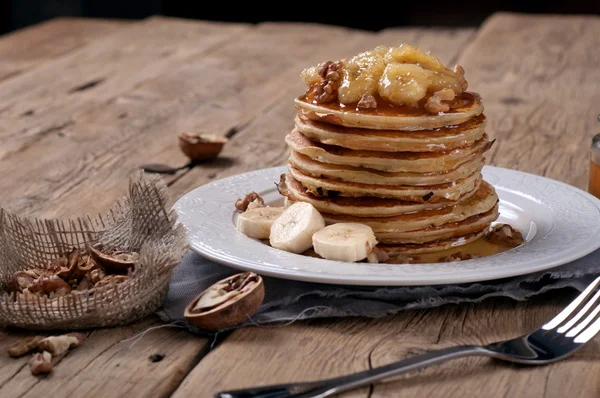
<point x="389" y="117"/>
<point x="440" y="139"/>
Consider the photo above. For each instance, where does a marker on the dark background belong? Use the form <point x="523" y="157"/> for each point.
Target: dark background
<point x="15" y="14"/>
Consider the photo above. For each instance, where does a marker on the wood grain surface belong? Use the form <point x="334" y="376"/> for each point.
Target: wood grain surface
<point x="78" y="117"/>
<point x="31" y="47"/>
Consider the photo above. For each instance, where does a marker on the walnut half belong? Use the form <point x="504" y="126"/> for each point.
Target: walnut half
<point x="227" y="303"/>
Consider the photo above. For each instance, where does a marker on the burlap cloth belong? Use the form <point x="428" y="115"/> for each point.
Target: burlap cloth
<point x="139" y="222"/>
<point x="287" y="300"/>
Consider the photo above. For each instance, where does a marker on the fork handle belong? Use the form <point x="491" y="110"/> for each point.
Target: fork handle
<point x="326" y="388"/>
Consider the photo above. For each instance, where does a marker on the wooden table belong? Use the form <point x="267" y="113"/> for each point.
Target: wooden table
<point x="83" y="103"/>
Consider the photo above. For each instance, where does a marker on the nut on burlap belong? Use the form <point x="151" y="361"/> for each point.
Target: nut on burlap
<point x="138" y="222"/>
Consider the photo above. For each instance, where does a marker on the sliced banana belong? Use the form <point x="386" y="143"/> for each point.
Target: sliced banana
<point x="256" y="223"/>
<point x="344" y="242"/>
<point x="293" y="230"/>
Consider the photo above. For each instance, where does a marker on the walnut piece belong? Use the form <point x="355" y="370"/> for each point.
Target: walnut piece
<point x="378" y="256"/>
<point x="52" y="286"/>
<point x="41" y="363"/>
<point x="24" y="346"/>
<point x="459" y="71"/>
<point x="242" y="204"/>
<point x="439" y="101"/>
<point x="367" y="101"/>
<point x="505" y="235"/>
<point x="57" y="345"/>
<point x="458" y="256"/>
<point x="326" y="89"/>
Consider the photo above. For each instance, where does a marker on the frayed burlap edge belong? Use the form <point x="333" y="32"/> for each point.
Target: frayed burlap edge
<point x="138" y="222"/>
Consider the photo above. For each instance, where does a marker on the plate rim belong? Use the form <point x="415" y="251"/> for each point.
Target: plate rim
<point x="356" y="280"/>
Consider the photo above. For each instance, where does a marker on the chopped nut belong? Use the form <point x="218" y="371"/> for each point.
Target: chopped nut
<point x="378" y="256"/>
<point x="460" y="74"/>
<point x="41" y="363"/>
<point x="434" y="103"/>
<point x="282" y="186"/>
<point x="367" y="101"/>
<point x="326" y="89"/>
<point x="57" y="345"/>
<point x="242" y="204"/>
<point x="256" y="203"/>
<point x="505" y="235"/>
<point x="24" y="346"/>
<point x="50" y="285"/>
<point x="458" y="256"/>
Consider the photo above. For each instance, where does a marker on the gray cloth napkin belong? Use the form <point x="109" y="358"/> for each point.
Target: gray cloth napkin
<point x="287" y="300"/>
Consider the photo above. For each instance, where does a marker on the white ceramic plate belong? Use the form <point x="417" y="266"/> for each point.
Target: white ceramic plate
<point x="561" y="223"/>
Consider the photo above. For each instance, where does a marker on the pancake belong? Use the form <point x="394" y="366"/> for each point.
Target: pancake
<point x="420" y="162"/>
<point x="471" y="225"/>
<point x="441" y="139"/>
<point x="389" y="117"/>
<point x="362" y="206"/>
<point x="420" y="194"/>
<point x="482" y="201"/>
<point x="370" y="176"/>
<point x="418" y="248"/>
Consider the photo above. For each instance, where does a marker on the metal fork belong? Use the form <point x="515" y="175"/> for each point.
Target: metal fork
<point x="570" y="330"/>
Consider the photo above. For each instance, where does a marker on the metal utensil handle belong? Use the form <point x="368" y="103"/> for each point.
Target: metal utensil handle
<point x="325" y="388"/>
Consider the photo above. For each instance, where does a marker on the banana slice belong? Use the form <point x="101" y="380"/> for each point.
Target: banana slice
<point x="293" y="230"/>
<point x="256" y="223"/>
<point x="344" y="242"/>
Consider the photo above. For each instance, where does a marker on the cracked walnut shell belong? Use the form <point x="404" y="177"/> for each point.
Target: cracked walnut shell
<point x="227" y="303"/>
<point x="201" y="147"/>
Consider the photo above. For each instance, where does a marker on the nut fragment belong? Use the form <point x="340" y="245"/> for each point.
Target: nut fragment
<point x="378" y="256"/>
<point x="227" y="303"/>
<point x="440" y="101"/>
<point x="41" y="363"/>
<point x="201" y="147"/>
<point x="367" y="101"/>
<point x="52" y="286"/>
<point x="326" y="89"/>
<point x="24" y="346"/>
<point x="505" y="235"/>
<point x="114" y="259"/>
<point x="57" y="345"/>
<point x="242" y="204"/>
<point x="460" y="75"/>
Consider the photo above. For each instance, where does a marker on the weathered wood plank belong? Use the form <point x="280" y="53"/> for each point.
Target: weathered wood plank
<point x="32" y="46"/>
<point x="314" y="350"/>
<point x="539" y="91"/>
<point x="44" y="100"/>
<point x="320" y="352"/>
<point x="107" y="366"/>
<point x="217" y="92"/>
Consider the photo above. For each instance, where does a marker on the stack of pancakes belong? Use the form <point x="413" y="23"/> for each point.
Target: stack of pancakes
<point x="413" y="177"/>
